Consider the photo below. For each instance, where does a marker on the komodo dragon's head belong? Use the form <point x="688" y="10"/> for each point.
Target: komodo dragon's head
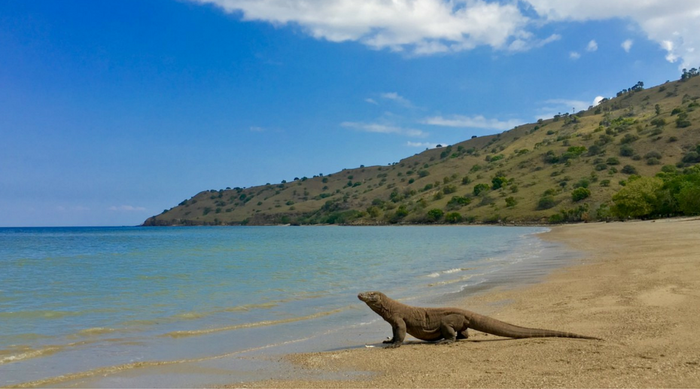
<point x="371" y="298"/>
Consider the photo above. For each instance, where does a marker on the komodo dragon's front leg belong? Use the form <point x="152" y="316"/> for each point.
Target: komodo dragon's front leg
<point x="398" y="329"/>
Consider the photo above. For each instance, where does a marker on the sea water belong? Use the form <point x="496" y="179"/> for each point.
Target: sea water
<point x="103" y="306"/>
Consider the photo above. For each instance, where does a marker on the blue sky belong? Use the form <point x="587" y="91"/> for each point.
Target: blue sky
<point x="111" y="111"/>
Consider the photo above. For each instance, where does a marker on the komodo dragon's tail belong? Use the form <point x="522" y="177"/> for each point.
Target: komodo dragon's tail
<point x="496" y="327"/>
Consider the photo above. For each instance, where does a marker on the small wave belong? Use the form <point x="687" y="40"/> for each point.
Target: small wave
<point x="27" y="353"/>
<point x="248" y="307"/>
<point x="190" y="315"/>
<point x="194" y="315"/>
<point x="21" y="353"/>
<point x="28" y="337"/>
<point x="96" y="331"/>
<point x="450" y="271"/>
<point x="455" y="280"/>
<point x="105" y="371"/>
<point x="464" y="287"/>
<point x="544" y="231"/>
<point x="41" y="314"/>
<point x="266" y="323"/>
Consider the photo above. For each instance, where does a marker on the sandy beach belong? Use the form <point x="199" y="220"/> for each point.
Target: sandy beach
<point x="637" y="286"/>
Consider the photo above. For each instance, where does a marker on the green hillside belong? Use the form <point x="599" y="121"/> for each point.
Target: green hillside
<point x="563" y="169"/>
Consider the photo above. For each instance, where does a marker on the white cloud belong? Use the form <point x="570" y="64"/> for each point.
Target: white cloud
<point x="477" y="121"/>
<point x="384" y="129"/>
<point x="525" y="45"/>
<point x="393" y="96"/>
<point x="669" y="47"/>
<point x="371" y="101"/>
<point x="257" y="129"/>
<point x="417" y="26"/>
<point x="126" y="208"/>
<point x="673" y="24"/>
<point x="74" y="208"/>
<point x="597" y="100"/>
<point x="592" y="46"/>
<point x="574" y="55"/>
<point x="427" y="145"/>
<point x="424" y="27"/>
<point x="577" y="105"/>
<point x="627" y="45"/>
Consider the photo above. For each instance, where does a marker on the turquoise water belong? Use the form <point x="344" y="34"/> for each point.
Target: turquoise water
<point x="78" y="303"/>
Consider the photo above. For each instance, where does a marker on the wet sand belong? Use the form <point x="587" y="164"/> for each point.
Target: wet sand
<point x="637" y="285"/>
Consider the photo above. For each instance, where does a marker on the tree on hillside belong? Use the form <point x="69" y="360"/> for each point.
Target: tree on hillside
<point x="498" y="181"/>
<point x="580" y="193"/>
<point x="453" y="217"/>
<point x="689" y="199"/>
<point x="480" y="188"/>
<point x="435" y="215"/>
<point x="639" y="198"/>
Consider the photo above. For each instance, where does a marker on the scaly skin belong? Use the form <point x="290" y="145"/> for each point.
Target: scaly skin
<point x="446" y="324"/>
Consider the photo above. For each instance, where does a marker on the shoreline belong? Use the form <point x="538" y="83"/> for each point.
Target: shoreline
<point x="636" y="286"/>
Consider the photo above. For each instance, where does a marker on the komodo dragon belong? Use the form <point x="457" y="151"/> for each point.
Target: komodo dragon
<point x="446" y="324"/>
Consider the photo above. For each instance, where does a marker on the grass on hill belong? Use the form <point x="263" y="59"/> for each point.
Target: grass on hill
<point x="567" y="168"/>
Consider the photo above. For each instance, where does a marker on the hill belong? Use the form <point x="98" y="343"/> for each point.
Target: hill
<point x="567" y="168"/>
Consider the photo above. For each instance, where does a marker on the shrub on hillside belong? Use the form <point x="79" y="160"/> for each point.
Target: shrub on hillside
<point x="682" y="120"/>
<point x="594" y="150"/>
<point x="395" y="217"/>
<point x="629" y="138"/>
<point x="626" y="151"/>
<point x="453" y="217"/>
<point x="580" y="193"/>
<point x="457" y="202"/>
<point x="480" y="188"/>
<point x="435" y="215"/>
<point x="629" y="169"/>
<point x="658" y="122"/>
<point x="546" y="202"/>
<point x="373" y="211"/>
<point x="652" y="154"/>
<point x="447" y="189"/>
<point x="498" y="182"/>
<point x="583" y="183"/>
<point x="692" y="156"/>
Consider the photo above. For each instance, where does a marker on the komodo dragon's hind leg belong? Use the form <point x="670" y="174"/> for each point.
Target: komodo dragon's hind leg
<point x="453" y="327"/>
<point x="449" y="335"/>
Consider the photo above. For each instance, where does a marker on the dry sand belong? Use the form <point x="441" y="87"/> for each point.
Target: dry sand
<point x="638" y="287"/>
